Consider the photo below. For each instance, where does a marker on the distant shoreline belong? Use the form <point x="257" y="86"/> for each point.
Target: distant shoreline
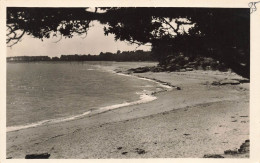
<point x="73" y="61"/>
<point x="138" y="55"/>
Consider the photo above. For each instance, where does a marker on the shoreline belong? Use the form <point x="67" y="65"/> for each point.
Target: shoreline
<point x="197" y="120"/>
<point x="143" y="98"/>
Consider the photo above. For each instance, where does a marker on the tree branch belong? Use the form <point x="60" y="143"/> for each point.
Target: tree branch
<point x="17" y="39"/>
<point x="58" y="40"/>
<point x="179" y="23"/>
<point x="175" y="30"/>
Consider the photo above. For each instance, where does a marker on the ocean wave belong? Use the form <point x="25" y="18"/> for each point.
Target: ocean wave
<point x="147" y="79"/>
<point x="143" y="98"/>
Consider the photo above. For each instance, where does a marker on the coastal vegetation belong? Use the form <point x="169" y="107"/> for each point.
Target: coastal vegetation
<point x="138" y="55"/>
<point x="178" y="63"/>
<point x="218" y="33"/>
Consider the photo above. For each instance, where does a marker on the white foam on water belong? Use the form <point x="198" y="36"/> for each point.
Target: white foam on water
<point x="50" y="121"/>
<point x="143" y="78"/>
<point x="144" y="98"/>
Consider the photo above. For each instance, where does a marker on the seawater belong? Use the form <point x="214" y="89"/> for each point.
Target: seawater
<point x="52" y="92"/>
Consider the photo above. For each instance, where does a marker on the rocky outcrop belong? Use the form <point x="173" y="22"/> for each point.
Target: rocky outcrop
<point x="182" y="64"/>
<point x="242" y="152"/>
<point x="245" y="147"/>
<point x="38" y="156"/>
<point x="229" y="82"/>
<point x="140" y="69"/>
<point x="212" y="156"/>
<point x="225" y="82"/>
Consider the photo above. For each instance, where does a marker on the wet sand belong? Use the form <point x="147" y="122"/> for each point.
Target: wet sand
<point x="198" y="119"/>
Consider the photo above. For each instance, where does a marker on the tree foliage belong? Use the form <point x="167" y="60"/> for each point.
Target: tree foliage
<point x="46" y="22"/>
<point x="220" y="33"/>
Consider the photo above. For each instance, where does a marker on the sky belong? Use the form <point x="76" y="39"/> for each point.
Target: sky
<point x="94" y="43"/>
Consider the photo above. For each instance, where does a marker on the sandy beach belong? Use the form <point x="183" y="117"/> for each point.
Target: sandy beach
<point x="199" y="118"/>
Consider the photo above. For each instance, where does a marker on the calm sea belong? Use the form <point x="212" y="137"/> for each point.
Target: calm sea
<point x="47" y="91"/>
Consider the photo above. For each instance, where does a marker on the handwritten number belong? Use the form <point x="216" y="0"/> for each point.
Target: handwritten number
<point x="252" y="6"/>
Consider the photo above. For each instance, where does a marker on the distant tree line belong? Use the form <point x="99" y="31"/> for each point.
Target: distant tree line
<point x="138" y="55"/>
<point x="28" y="59"/>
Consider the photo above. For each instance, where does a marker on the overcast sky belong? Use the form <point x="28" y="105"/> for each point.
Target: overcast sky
<point x="94" y="43"/>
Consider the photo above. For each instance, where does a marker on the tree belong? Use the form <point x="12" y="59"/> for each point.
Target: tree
<point x="46" y="22"/>
<point x="222" y="34"/>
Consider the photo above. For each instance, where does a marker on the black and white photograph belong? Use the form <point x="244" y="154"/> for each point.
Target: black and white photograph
<point x="128" y="82"/>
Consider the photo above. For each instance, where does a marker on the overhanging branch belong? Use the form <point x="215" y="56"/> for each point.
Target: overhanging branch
<point x="15" y="39"/>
